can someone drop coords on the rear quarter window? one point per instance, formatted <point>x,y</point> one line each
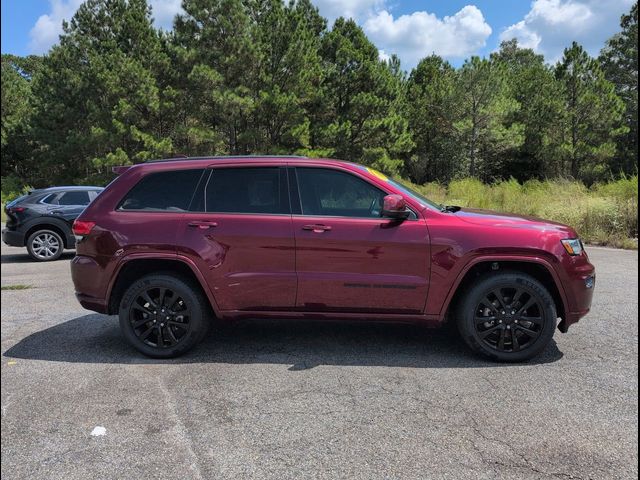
<point>169,191</point>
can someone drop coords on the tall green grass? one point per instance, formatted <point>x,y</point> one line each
<point>604,214</point>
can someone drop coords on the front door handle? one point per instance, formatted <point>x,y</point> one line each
<point>317,228</point>
<point>202,224</point>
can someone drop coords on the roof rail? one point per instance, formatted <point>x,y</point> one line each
<point>221,157</point>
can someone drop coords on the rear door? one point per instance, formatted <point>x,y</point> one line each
<point>348,258</point>
<point>239,233</point>
<point>68,205</point>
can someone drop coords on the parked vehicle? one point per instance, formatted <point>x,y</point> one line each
<point>42,220</point>
<point>169,244</point>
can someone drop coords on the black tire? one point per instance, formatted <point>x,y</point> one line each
<point>146,310</point>
<point>513,334</point>
<point>45,245</point>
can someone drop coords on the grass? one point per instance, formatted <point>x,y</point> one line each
<point>16,287</point>
<point>3,214</point>
<point>605,214</point>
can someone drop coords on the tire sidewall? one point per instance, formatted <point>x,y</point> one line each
<point>187,292</point>
<point>40,232</point>
<point>466,313</point>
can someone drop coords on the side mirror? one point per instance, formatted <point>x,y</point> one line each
<point>394,206</point>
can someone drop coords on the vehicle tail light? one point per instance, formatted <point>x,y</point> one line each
<point>16,209</point>
<point>82,228</point>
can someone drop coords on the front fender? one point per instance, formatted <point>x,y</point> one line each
<point>535,258</point>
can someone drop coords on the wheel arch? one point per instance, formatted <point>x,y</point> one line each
<point>133,268</point>
<point>48,223</point>
<point>538,268</point>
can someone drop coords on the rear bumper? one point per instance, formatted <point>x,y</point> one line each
<point>12,238</point>
<point>88,277</point>
<point>91,303</point>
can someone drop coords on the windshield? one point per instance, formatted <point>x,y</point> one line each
<point>415,195</point>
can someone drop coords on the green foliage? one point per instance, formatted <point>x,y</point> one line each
<point>267,76</point>
<point>619,59</point>
<point>606,213</point>
<point>592,115</point>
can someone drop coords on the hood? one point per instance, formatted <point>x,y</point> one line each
<point>498,219</point>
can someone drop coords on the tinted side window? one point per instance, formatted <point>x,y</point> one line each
<point>163,191</point>
<point>329,192</point>
<point>74,198</point>
<point>51,199</point>
<point>247,190</point>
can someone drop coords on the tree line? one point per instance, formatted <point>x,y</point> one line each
<point>268,77</point>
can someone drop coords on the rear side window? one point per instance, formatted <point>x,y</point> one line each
<point>74,198</point>
<point>247,190</point>
<point>163,191</point>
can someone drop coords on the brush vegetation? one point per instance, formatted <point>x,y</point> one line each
<point>604,214</point>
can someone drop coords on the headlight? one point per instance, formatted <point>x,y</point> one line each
<point>573,246</point>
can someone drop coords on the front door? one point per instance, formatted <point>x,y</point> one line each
<point>348,258</point>
<point>240,236</point>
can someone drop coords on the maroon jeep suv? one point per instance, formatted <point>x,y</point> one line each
<point>170,244</point>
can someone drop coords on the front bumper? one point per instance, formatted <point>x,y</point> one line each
<point>12,238</point>
<point>581,288</point>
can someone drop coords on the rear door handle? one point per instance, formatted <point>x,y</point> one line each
<point>317,228</point>
<point>202,224</point>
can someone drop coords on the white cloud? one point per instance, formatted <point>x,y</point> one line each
<point>356,9</point>
<point>48,27</point>
<point>420,34</point>
<point>44,34</point>
<point>551,25</point>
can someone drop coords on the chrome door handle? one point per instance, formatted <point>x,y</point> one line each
<point>317,228</point>
<point>202,224</point>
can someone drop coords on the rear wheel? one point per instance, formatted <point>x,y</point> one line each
<point>163,316</point>
<point>45,245</point>
<point>507,316</point>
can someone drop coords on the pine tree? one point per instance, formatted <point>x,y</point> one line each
<point>619,59</point>
<point>593,115</point>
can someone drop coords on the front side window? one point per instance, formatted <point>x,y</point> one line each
<point>247,190</point>
<point>163,191</point>
<point>327,192</point>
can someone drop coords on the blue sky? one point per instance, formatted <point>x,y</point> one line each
<point>410,28</point>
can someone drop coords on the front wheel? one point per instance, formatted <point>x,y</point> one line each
<point>507,316</point>
<point>163,316</point>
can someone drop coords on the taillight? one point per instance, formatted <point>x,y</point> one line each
<point>16,209</point>
<point>82,228</point>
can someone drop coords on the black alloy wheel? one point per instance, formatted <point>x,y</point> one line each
<point>507,316</point>
<point>164,315</point>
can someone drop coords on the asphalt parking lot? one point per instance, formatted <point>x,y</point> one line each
<point>312,400</point>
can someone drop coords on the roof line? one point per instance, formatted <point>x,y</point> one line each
<point>222,157</point>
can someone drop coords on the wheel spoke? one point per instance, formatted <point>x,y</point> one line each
<point>161,297</point>
<point>484,319</point>
<point>141,308</point>
<point>530,333</point>
<point>529,303</point>
<point>139,323</point>
<point>489,331</point>
<point>172,338</point>
<point>144,335</point>
<point>485,301</point>
<point>514,340</point>
<point>503,334</point>
<point>145,296</point>
<point>498,294</point>
<point>534,320</point>
<point>160,339</point>
<point>184,326</point>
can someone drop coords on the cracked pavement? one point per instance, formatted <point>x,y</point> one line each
<point>270,399</point>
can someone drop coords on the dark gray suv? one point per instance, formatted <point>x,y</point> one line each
<point>42,220</point>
